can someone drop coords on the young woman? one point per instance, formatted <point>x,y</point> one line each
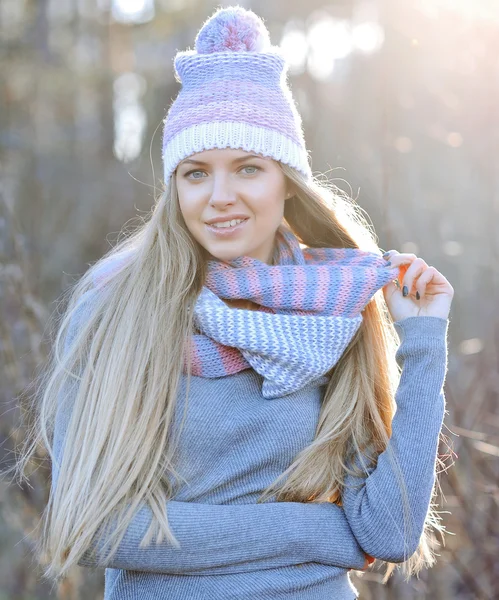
<point>220,407</point>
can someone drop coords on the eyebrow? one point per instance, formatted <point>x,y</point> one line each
<point>236,160</point>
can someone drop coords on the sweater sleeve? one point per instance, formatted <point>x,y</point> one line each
<point>234,538</point>
<point>218,539</point>
<point>375,508</point>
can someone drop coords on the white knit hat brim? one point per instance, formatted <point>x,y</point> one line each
<point>237,135</point>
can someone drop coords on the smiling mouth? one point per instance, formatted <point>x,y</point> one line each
<point>226,228</point>
<point>226,224</point>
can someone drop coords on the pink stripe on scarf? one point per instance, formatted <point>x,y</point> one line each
<point>232,285</point>
<point>232,360</point>
<point>196,364</point>
<point>277,287</point>
<point>346,290</point>
<point>254,286</point>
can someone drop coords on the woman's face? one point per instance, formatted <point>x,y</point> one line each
<point>219,186</point>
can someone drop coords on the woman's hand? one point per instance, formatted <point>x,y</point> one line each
<point>427,291</point>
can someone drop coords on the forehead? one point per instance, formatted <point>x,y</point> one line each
<point>222,156</point>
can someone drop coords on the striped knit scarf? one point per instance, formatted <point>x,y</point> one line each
<point>310,308</point>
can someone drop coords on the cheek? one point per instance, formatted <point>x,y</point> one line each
<point>270,203</point>
<point>267,193</point>
<point>189,203</point>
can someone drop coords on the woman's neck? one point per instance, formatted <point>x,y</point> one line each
<point>242,303</point>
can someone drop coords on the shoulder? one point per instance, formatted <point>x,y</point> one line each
<point>93,298</point>
<point>79,314</point>
<point>109,266</point>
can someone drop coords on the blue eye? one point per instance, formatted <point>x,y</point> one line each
<point>190,173</point>
<point>252,167</point>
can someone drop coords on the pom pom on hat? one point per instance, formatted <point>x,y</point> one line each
<point>233,29</point>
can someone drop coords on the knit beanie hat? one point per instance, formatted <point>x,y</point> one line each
<point>234,94</point>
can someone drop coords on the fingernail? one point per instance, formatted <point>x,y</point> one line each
<point>386,255</point>
<point>418,296</point>
<point>405,291</point>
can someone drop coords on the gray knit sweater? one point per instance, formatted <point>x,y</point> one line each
<point>234,444</point>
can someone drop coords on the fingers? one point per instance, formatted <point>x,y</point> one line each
<point>411,268</point>
<point>417,267</point>
<point>431,275</point>
<point>399,258</point>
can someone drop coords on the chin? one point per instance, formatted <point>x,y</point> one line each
<point>228,254</point>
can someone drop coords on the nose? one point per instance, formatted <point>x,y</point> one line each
<point>222,192</point>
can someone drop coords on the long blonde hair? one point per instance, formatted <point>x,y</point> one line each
<point>120,347</point>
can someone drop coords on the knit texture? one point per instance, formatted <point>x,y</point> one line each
<point>234,443</point>
<point>315,297</point>
<point>234,94</point>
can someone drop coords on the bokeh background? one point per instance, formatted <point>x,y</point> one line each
<point>400,106</point>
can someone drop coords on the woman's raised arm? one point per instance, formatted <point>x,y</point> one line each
<point>375,508</point>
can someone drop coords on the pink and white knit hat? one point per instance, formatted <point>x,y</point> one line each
<point>234,95</point>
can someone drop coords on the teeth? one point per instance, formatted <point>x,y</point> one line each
<point>228,223</point>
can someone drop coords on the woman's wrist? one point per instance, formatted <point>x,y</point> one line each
<point>434,327</point>
<point>325,536</point>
